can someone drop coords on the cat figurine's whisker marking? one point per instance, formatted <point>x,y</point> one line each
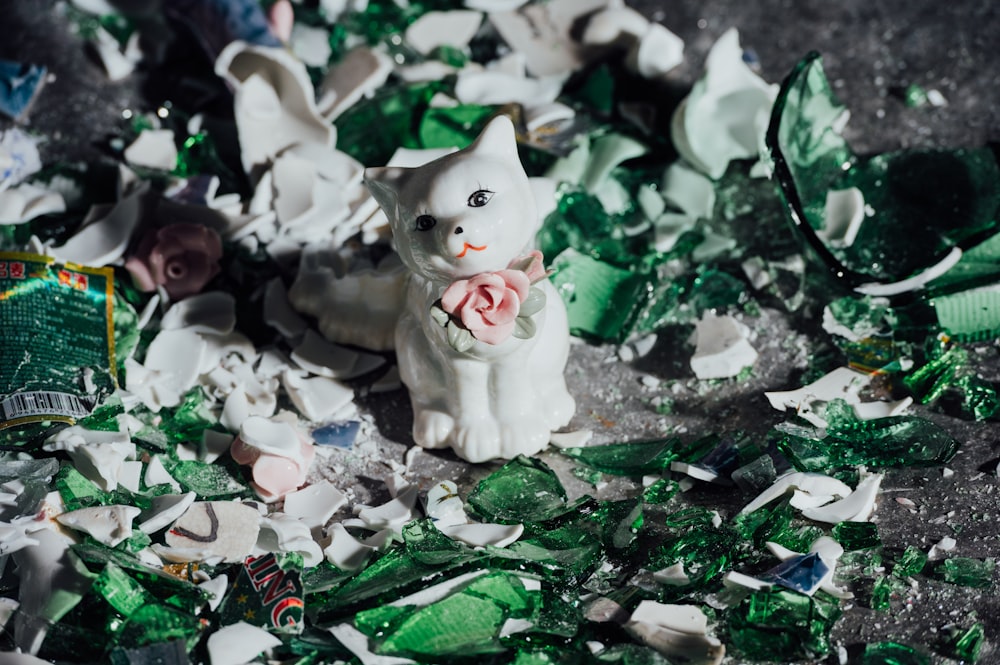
<point>483,340</point>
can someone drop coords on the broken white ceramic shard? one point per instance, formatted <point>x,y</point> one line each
<point>543,32</point>
<point>434,29</point>
<point>106,230</point>
<point>239,643</point>
<point>19,157</point>
<point>224,529</point>
<point>677,631</point>
<point>357,643</point>
<point>174,359</point>
<point>345,551</point>
<point>274,102</point>
<point>311,44</point>
<point>157,474</point>
<point>216,587</point>
<point>607,153</point>
<point>96,454</point>
<point>481,535</point>
<point>722,349</point>
<point>572,439</point>
<point>668,229</point>
<point>842,217</point>
<point>212,312</point>
<point>154,149</point>
<point>361,71</point>
<point>130,475</point>
<point>616,24</point>
<point>278,312</point>
<point>856,507</point>
<point>117,65</point>
<point>490,6</point>
<point>393,514</point>
<point>545,115</point>
<point>726,113</point>
<point>444,505</point>
<point>164,510</point>
<point>488,87</point>
<point>689,190</point>
<point>672,575</point>
<point>656,52</point>
<point>318,356</point>
<point>315,504</point>
<point>317,398</point>
<point>842,383</point>
<point>811,483</point>
<point>26,201</point>
<point>280,532</point>
<point>329,286</point>
<point>110,525</point>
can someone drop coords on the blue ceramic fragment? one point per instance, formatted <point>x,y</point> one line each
<point>338,435</point>
<point>802,573</point>
<point>19,85</point>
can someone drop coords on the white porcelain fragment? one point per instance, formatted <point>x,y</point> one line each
<point>723,349</point>
<point>174,360</point>
<point>856,507</point>
<point>672,575</point>
<point>98,455</point>
<point>217,588</point>
<point>543,33</point>
<point>224,529</point>
<point>157,474</point>
<point>434,29</point>
<point>165,509</point>
<point>318,356</point>
<point>689,190</point>
<point>842,216</point>
<point>24,202</point>
<point>345,551</point>
<point>274,102</point>
<point>316,504</point>
<point>153,148</point>
<point>811,483</point>
<point>480,535</point>
<point>357,643</point>
<point>110,525</point>
<point>392,514</point>
<point>677,631</point>
<point>212,312</point>
<point>317,398</point>
<point>239,643</point>
<point>361,71</point>
<point>444,505</point>
<point>572,439</point>
<point>489,87</point>
<point>494,5</point>
<point>726,113</point>
<point>280,532</point>
<point>657,52</point>
<point>842,383</point>
<point>311,44</point>
<point>278,311</point>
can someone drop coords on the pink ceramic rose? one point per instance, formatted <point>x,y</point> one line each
<point>487,304</point>
<point>181,258</point>
<point>274,474</point>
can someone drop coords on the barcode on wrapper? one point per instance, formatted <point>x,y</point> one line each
<point>42,403</point>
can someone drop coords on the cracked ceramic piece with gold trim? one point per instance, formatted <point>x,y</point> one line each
<point>481,350</point>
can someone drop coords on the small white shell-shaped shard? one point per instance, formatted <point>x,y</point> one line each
<point>239,643</point>
<point>110,525</point>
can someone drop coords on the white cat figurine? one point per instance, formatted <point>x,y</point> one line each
<point>480,349</point>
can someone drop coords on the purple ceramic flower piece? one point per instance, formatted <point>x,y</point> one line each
<point>181,258</point>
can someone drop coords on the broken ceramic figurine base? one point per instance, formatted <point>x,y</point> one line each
<point>483,339</point>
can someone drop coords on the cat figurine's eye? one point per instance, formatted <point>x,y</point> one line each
<point>479,198</point>
<point>425,223</point>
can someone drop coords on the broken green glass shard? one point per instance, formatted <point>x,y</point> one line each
<point>464,623</point>
<point>705,551</point>
<point>209,481</point>
<point>929,381</point>
<point>885,590</point>
<point>602,300</point>
<point>966,645</point>
<point>523,490</point>
<point>394,110</point>
<point>573,548</point>
<point>892,653</point>
<point>911,562</point>
<point>966,571</point>
<point>857,535</point>
<point>756,475</point>
<point>888,222</point>
<point>156,623</point>
<point>895,441</point>
<point>426,544</point>
<point>782,625</point>
<point>121,591</point>
<point>77,491</point>
<point>635,458</point>
<point>661,491</point>
<point>452,127</point>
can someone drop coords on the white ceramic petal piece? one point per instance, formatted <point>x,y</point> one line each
<point>813,483</point>
<point>856,507</point>
<point>393,514</point>
<point>280,532</point>
<point>481,535</point>
<point>315,504</point>
<point>361,71</point>
<point>317,398</point>
<point>433,29</point>
<point>153,148</point>
<point>165,509</point>
<point>212,312</point>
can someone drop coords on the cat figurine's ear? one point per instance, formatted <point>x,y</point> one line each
<point>497,138</point>
<point>384,182</point>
